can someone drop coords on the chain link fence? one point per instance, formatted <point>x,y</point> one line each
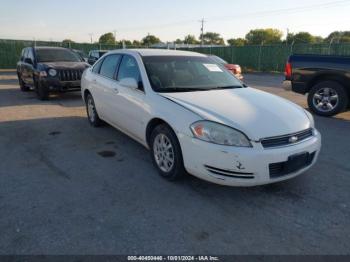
<point>265,58</point>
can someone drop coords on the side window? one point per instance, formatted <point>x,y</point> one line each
<point>109,66</point>
<point>97,67</point>
<point>30,54</point>
<point>129,69</point>
<point>25,54</point>
<point>22,54</point>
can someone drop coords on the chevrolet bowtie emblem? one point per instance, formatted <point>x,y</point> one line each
<point>293,139</point>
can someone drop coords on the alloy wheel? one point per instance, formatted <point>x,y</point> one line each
<point>163,153</point>
<point>326,99</point>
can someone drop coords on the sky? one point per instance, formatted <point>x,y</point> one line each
<point>133,19</point>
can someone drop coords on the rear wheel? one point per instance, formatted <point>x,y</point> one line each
<point>93,117</point>
<point>166,153</point>
<point>22,85</point>
<point>328,98</point>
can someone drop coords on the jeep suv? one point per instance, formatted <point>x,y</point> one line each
<point>49,69</point>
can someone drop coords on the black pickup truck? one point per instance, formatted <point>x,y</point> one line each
<point>49,69</point>
<point>326,79</point>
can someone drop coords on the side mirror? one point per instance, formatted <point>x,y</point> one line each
<point>129,82</point>
<point>28,61</point>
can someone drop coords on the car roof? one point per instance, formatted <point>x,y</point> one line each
<point>157,52</point>
<point>49,48</point>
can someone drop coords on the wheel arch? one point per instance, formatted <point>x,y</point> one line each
<point>86,92</point>
<point>340,79</point>
<point>152,124</point>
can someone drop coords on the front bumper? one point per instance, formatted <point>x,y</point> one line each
<point>53,84</point>
<point>255,161</point>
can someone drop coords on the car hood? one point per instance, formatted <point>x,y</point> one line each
<point>256,113</point>
<point>65,65</point>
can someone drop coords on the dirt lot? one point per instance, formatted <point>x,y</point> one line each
<point>59,194</point>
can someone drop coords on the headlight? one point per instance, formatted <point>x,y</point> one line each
<point>219,134</point>
<point>52,72</point>
<point>311,118</point>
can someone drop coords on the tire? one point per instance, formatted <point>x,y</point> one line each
<point>328,98</point>
<point>92,114</point>
<point>41,91</point>
<point>171,170</point>
<point>22,85</point>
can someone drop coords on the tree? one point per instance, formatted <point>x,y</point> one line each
<point>264,36</point>
<point>211,38</point>
<point>303,37</point>
<point>178,41</point>
<point>339,37</point>
<point>237,41</point>
<point>136,43</point>
<point>191,40</point>
<point>126,43</point>
<point>150,40</point>
<point>107,39</point>
<point>67,41</point>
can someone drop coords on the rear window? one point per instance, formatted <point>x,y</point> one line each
<point>56,55</point>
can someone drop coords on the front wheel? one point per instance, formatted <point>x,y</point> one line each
<point>41,91</point>
<point>166,153</point>
<point>328,98</point>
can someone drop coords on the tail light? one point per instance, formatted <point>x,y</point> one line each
<point>288,71</point>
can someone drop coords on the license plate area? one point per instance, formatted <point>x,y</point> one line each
<point>294,164</point>
<point>297,162</point>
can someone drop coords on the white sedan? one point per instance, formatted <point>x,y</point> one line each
<point>197,118</point>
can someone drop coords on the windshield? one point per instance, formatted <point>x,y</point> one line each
<point>56,55</point>
<point>218,60</point>
<point>187,73</point>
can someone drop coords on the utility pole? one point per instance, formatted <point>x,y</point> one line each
<point>287,36</point>
<point>91,34</point>
<point>115,37</point>
<point>202,30</point>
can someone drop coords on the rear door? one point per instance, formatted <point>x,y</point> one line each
<point>30,67</point>
<point>24,69</point>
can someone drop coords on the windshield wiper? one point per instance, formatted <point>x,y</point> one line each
<point>179,89</point>
<point>224,87</point>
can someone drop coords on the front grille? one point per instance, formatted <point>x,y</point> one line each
<point>287,139</point>
<point>70,75</point>
<point>229,173</point>
<point>286,168</point>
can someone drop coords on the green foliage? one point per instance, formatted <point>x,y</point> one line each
<point>339,37</point>
<point>212,38</point>
<point>107,39</point>
<point>150,40</point>
<point>191,40</point>
<point>303,38</point>
<point>264,36</point>
<point>67,41</point>
<point>237,42</point>
<point>136,43</point>
<point>126,43</point>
